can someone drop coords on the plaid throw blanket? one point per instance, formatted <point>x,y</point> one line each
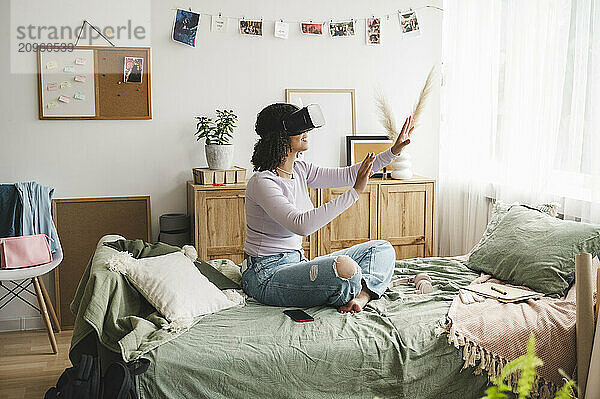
<point>491,334</point>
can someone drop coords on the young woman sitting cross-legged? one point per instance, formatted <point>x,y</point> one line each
<point>279,212</point>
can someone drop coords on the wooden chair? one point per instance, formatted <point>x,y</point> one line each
<point>22,279</point>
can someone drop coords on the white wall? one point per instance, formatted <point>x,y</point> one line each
<point>111,158</point>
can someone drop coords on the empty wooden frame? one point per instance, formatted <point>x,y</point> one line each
<point>328,143</point>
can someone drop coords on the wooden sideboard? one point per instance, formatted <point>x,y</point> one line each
<point>399,211</point>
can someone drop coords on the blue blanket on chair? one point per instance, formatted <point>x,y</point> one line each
<point>26,209</point>
<point>8,210</point>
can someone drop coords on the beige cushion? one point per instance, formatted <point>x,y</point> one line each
<point>173,285</point>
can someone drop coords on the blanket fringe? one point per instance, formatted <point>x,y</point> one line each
<point>483,360</point>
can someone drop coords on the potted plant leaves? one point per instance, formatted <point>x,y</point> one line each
<point>217,135</point>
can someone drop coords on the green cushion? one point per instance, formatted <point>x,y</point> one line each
<point>140,249</point>
<point>501,208</point>
<point>528,247</point>
<point>215,276</point>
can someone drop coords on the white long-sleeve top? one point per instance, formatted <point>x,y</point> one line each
<point>279,211</point>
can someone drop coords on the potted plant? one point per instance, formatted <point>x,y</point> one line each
<point>217,135</point>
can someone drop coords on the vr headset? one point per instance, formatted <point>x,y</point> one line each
<point>303,120</point>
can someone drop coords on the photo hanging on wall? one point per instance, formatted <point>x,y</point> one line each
<point>133,68</point>
<point>218,23</point>
<point>185,27</point>
<point>251,28</point>
<point>373,31</point>
<point>409,23</point>
<point>282,29</point>
<point>311,28</point>
<point>341,28</point>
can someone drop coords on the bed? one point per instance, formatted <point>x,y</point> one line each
<point>398,347</point>
<point>393,349</point>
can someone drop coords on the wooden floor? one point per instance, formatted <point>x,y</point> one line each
<point>27,366</point>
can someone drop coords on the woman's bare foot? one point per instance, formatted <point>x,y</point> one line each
<point>357,304</point>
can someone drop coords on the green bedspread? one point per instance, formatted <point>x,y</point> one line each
<point>389,350</point>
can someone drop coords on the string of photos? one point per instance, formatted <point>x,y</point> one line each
<point>185,26</point>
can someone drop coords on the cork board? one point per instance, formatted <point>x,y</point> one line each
<point>81,222</point>
<point>122,100</point>
<point>105,93</point>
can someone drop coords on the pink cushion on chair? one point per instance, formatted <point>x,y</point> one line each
<point>24,251</point>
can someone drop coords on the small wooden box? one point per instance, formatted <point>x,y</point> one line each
<point>213,176</point>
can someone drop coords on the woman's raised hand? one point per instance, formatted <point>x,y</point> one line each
<point>404,138</point>
<point>364,172</point>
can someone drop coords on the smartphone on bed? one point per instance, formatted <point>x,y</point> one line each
<point>298,315</point>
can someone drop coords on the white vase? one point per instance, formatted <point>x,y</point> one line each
<point>219,156</point>
<point>402,166</point>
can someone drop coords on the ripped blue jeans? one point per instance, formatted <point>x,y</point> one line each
<point>289,279</point>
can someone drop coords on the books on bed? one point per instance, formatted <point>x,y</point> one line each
<point>503,293</point>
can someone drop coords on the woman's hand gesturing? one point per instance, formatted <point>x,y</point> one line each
<point>404,138</point>
<point>364,172</point>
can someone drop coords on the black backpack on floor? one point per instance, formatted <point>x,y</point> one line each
<point>119,379</point>
<point>84,381</point>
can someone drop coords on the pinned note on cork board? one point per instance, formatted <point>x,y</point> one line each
<point>94,82</point>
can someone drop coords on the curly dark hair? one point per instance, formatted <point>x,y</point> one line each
<point>274,143</point>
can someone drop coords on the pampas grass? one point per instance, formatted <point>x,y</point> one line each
<point>386,117</point>
<point>423,99</point>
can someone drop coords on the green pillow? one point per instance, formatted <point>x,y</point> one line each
<point>528,247</point>
<point>215,276</point>
<point>501,208</point>
<point>140,249</point>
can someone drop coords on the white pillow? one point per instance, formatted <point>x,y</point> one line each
<point>173,285</point>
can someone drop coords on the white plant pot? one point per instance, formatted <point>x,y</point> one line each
<point>219,156</point>
<point>402,167</point>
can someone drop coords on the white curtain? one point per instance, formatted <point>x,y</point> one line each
<point>520,111</point>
